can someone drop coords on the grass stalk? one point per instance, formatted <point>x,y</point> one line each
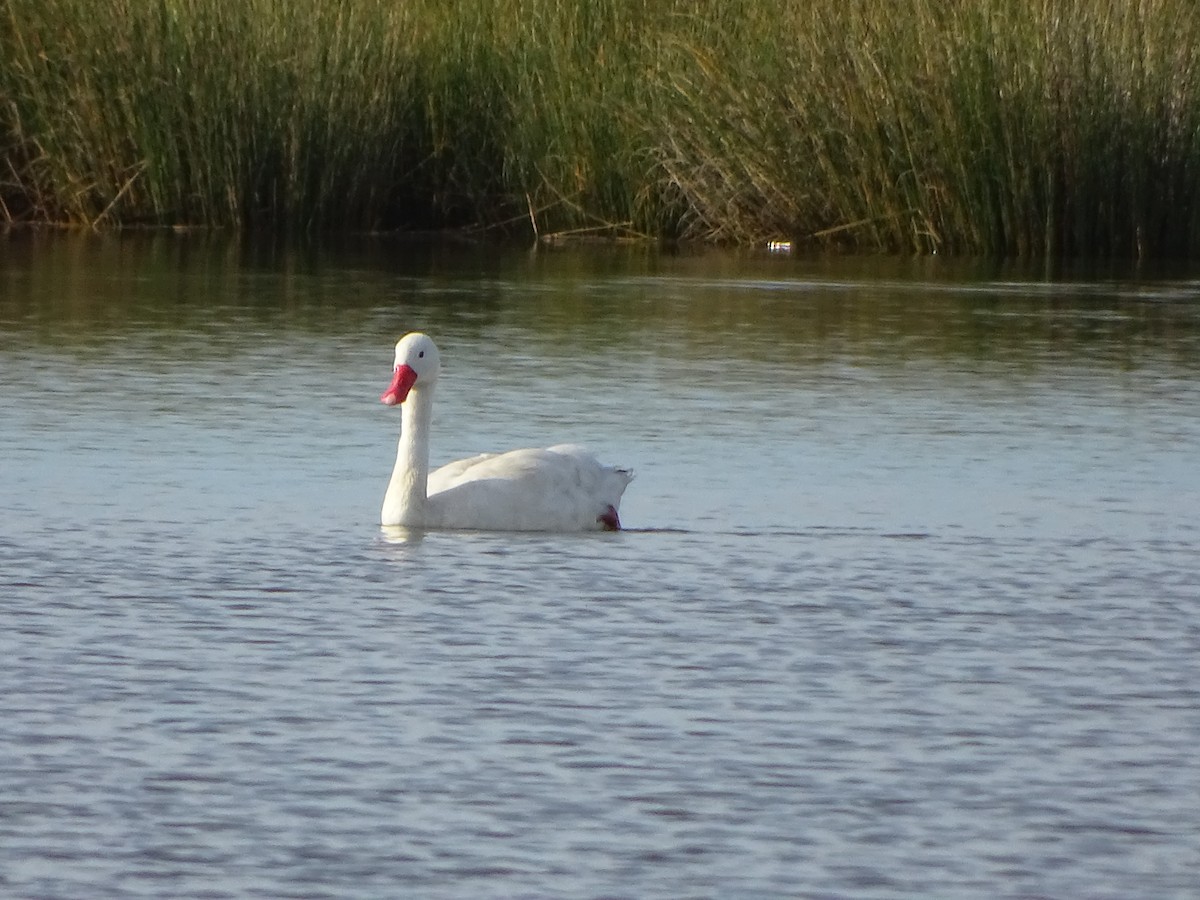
<point>1000,126</point>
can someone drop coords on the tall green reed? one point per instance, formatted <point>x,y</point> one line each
<point>999,126</point>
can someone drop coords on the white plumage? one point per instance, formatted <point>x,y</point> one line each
<point>562,488</point>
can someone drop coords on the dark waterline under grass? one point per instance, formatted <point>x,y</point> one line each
<point>1057,128</point>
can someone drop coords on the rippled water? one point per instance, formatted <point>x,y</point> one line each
<point>908,606</point>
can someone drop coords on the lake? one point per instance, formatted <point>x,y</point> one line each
<point>907,604</point>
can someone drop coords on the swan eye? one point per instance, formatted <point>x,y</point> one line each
<point>421,355</point>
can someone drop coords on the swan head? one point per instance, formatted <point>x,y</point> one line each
<point>417,362</point>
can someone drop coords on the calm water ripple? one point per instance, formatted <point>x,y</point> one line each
<point>899,614</point>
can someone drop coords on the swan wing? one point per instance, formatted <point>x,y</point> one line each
<point>452,473</point>
<point>560,489</point>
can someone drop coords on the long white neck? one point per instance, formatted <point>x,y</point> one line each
<point>405,500</point>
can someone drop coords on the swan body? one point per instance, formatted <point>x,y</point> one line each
<point>561,488</point>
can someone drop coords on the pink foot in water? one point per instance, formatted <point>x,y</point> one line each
<point>609,519</point>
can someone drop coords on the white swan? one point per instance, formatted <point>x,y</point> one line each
<point>562,488</point>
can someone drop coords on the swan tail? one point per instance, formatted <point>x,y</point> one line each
<point>609,519</point>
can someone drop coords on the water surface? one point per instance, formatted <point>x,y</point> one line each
<point>908,606</point>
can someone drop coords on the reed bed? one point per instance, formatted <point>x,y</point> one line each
<point>1050,127</point>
